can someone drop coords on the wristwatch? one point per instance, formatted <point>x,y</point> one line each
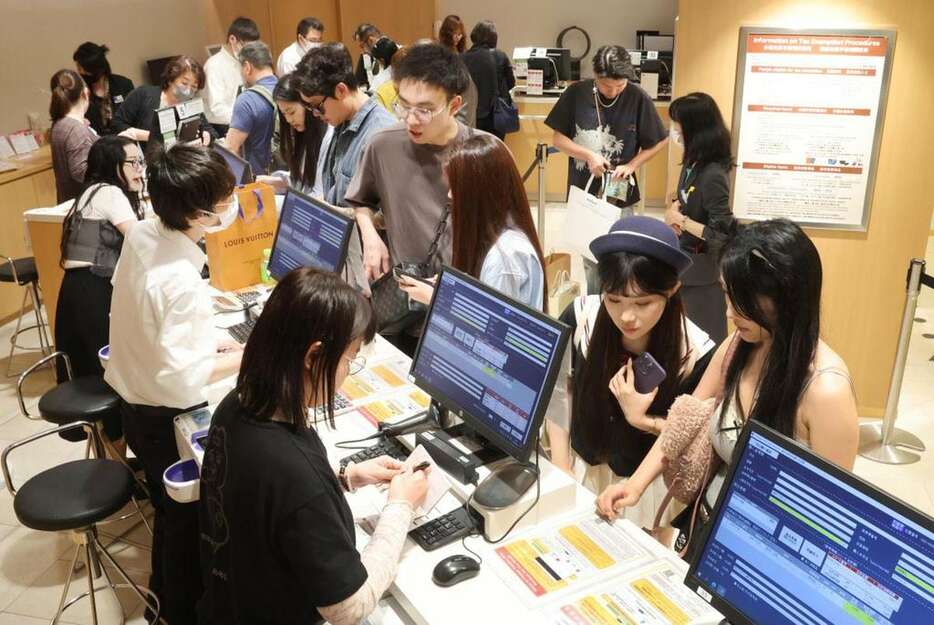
<point>344,478</point>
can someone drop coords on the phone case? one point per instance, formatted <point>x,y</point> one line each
<point>648,373</point>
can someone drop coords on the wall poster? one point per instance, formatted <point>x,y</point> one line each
<point>807,123</point>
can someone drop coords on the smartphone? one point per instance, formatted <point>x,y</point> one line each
<point>648,373</point>
<point>398,271</point>
<point>189,130</point>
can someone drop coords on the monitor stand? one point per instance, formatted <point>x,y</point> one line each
<point>505,485</point>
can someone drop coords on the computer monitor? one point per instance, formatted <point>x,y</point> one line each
<point>156,67</point>
<point>796,540</point>
<point>489,360</point>
<point>241,168</point>
<point>555,63</point>
<point>311,233</point>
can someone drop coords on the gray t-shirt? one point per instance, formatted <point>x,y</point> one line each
<point>405,180</point>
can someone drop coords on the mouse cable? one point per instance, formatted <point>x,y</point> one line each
<point>347,444</point>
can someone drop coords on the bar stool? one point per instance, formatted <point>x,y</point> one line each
<point>87,399</point>
<point>22,271</point>
<point>74,497</point>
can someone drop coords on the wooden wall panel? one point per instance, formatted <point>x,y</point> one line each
<point>287,13</point>
<point>404,21</point>
<point>864,273</point>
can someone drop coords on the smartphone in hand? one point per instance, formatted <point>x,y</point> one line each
<point>648,373</point>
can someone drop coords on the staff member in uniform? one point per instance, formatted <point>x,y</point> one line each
<point>277,535</point>
<point>700,214</point>
<point>108,90</point>
<point>164,349</point>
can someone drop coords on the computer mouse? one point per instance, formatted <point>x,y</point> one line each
<point>455,569</point>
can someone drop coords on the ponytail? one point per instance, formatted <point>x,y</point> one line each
<point>66,86</point>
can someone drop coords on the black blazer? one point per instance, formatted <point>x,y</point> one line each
<point>704,193</point>
<point>482,67</point>
<point>505,77</point>
<point>139,111</point>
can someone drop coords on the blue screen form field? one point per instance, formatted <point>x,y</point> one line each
<point>488,356</point>
<point>792,543</point>
<point>310,234</point>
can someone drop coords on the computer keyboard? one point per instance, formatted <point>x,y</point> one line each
<point>247,297</point>
<point>443,530</point>
<point>387,447</point>
<point>241,332</point>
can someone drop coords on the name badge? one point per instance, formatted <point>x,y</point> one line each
<point>118,99</point>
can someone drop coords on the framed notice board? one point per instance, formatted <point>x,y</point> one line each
<point>807,123</point>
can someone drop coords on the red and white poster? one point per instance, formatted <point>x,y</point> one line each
<point>807,120</point>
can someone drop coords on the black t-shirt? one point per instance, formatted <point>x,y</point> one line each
<point>277,535</point>
<point>630,124</point>
<point>120,88</point>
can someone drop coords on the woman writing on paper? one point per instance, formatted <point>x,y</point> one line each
<point>493,235</point>
<point>775,368</point>
<point>602,434</point>
<point>700,214</point>
<point>277,541</point>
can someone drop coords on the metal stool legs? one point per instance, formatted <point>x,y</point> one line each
<point>45,345</point>
<point>93,553</point>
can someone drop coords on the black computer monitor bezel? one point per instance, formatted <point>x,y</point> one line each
<point>247,176</point>
<point>345,238</point>
<point>521,454</point>
<point>691,580</point>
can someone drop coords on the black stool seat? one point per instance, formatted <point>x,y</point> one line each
<point>87,398</point>
<point>73,495</point>
<point>25,270</point>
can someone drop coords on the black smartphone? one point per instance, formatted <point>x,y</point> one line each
<point>648,373</point>
<point>399,270</point>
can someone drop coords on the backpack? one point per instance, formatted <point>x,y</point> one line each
<point>276,162</point>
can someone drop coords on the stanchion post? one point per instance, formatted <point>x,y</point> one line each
<point>541,156</point>
<point>882,441</point>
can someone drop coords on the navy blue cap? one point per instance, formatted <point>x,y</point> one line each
<point>646,236</point>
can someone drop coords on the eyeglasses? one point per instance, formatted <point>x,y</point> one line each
<point>316,109</point>
<point>137,163</point>
<point>357,364</point>
<point>422,115</point>
<point>218,209</point>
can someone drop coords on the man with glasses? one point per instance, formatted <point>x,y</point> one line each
<point>401,170</point>
<point>329,89</point>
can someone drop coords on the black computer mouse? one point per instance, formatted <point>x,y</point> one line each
<point>455,569</point>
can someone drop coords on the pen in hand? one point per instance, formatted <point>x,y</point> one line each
<point>421,466</point>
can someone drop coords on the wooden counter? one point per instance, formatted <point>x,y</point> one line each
<point>45,233</point>
<point>30,186</point>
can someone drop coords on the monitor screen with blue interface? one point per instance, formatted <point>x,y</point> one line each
<point>795,539</point>
<point>310,234</point>
<point>241,169</point>
<point>490,359</point>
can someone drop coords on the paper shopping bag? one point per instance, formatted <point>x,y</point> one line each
<point>561,293</point>
<point>586,218</point>
<point>235,254</point>
<point>555,263</point>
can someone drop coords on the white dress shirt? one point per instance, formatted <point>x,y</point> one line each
<point>162,339</point>
<point>223,79</point>
<point>289,58</point>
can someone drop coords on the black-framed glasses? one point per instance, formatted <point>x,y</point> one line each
<point>137,162</point>
<point>316,109</point>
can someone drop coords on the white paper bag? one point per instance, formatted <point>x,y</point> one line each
<point>587,217</point>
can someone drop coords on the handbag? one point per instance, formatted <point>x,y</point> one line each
<point>390,303</point>
<point>689,458</point>
<point>505,116</point>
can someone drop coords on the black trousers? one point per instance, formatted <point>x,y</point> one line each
<point>176,570</point>
<point>82,320</point>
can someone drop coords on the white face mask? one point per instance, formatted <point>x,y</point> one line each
<point>227,217</point>
<point>675,136</point>
<point>182,93</point>
<point>306,45</point>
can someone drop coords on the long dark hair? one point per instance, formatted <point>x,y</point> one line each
<point>706,138</point>
<point>487,198</point>
<point>105,167</point>
<point>298,149</point>
<point>775,261</point>
<point>594,407</point>
<point>307,306</point>
<point>92,59</point>
<point>66,86</point>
